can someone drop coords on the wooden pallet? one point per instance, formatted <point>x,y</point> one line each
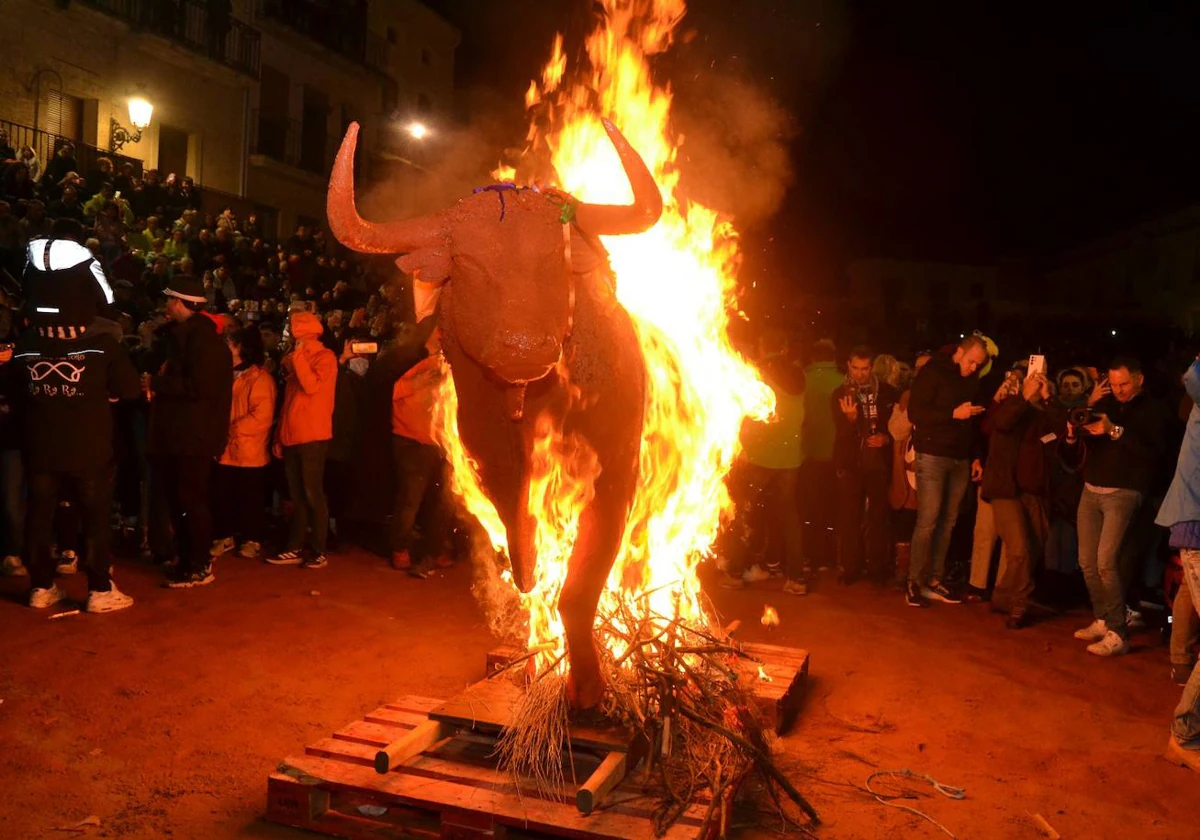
<point>452,790</point>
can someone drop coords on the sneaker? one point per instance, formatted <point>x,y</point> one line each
<point>318,561</point>
<point>1094,632</point>
<point>756,574</point>
<point>1110,645</point>
<point>1180,674</point>
<point>250,549</point>
<point>401,561</point>
<point>1176,753</point>
<point>795,587</point>
<point>913,596</point>
<point>110,601</point>
<point>13,567</point>
<point>729,581</point>
<point>938,591</point>
<point>288,558</point>
<point>775,570</point>
<point>1134,619</point>
<point>221,546</point>
<point>68,563</point>
<point>187,580</point>
<point>40,598</point>
<point>976,595</point>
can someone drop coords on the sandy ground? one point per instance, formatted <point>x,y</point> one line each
<point>164,720</point>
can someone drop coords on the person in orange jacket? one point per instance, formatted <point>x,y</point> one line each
<point>240,477</point>
<point>302,438</point>
<point>418,467</point>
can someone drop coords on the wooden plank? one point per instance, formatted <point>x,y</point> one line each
<point>414,703</point>
<point>396,717</point>
<point>410,744</point>
<point>351,751</point>
<point>779,698</point>
<point>553,818</point>
<point>366,732</point>
<point>608,775</point>
<point>487,707</point>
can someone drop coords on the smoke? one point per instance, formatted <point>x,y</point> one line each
<point>735,155</point>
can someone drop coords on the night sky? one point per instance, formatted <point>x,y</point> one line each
<point>946,131</point>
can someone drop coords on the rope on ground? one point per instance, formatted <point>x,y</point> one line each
<point>949,791</point>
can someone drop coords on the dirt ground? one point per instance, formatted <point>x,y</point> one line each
<point>164,720</point>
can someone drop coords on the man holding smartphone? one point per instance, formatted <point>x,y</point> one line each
<point>941,411</point>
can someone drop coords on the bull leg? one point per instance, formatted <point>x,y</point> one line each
<point>601,526</point>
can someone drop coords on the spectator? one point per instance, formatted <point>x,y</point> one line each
<point>36,224</point>
<point>1180,512</point>
<point>7,152</point>
<point>817,474</point>
<point>861,408</point>
<point>189,426</point>
<point>67,207</point>
<point>1122,451</point>
<point>29,157</point>
<point>240,479</point>
<point>941,412</point>
<point>62,164</point>
<point>302,439</point>
<point>66,375</point>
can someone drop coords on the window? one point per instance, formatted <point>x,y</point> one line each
<point>62,114</point>
<point>172,150</point>
<point>391,96</point>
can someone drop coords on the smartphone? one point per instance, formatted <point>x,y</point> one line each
<point>364,348</point>
<point>1037,364</point>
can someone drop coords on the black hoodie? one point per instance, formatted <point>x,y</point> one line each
<point>189,414</point>
<point>64,389</point>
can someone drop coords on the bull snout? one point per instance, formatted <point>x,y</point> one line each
<point>524,357</point>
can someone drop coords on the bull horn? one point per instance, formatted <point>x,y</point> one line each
<point>616,219</point>
<point>355,232</point>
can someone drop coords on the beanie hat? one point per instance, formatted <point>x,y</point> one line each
<point>186,288</point>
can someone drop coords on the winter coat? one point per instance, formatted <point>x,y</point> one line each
<point>1182,502</point>
<point>311,387</point>
<point>413,399</point>
<point>189,412</point>
<point>1132,461</point>
<point>850,450</point>
<point>1022,449</point>
<point>251,416</point>
<point>939,389</point>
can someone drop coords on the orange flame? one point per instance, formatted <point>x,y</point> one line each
<point>677,280</point>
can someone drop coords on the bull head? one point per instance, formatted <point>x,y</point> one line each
<point>507,255</point>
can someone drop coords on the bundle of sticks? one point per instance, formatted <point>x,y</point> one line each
<point>678,683</point>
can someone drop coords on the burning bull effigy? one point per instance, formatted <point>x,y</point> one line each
<point>592,410</point>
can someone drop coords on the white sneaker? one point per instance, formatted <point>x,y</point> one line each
<point>40,598</point>
<point>1110,645</point>
<point>110,601</point>
<point>288,558</point>
<point>13,567</point>
<point>756,574</point>
<point>1094,632</point>
<point>221,546</point>
<point>249,549</point>
<point>1134,619</point>
<point>68,563</point>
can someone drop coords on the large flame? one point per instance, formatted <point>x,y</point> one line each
<point>677,280</point>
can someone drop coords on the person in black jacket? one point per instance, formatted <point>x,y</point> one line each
<point>1121,451</point>
<point>862,457</point>
<point>64,376</point>
<point>941,412</point>
<point>189,425</point>
<point>1023,438</point>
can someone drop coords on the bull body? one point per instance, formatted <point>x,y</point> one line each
<point>532,331</point>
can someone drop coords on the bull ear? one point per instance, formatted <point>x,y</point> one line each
<point>616,219</point>
<point>352,230</point>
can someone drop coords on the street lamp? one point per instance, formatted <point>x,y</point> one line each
<point>418,130</point>
<point>140,112</point>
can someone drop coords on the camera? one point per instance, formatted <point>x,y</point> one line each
<point>1081,416</point>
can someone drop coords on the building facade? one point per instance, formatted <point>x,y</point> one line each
<point>250,97</point>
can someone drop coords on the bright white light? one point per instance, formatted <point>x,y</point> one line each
<point>418,130</point>
<point>1114,332</point>
<point>140,112</point>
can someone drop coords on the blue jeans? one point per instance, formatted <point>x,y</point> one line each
<point>941,484</point>
<point>1186,726</point>
<point>1103,522</point>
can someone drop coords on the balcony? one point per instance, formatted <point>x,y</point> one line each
<point>225,40</point>
<point>341,30</point>
<point>285,140</point>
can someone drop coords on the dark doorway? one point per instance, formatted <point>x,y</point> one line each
<point>172,150</point>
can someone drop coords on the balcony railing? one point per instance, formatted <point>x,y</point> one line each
<point>285,140</point>
<point>187,22</point>
<point>338,29</point>
<point>45,144</point>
